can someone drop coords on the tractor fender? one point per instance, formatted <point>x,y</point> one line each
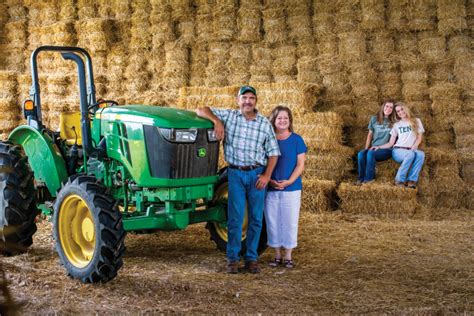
<point>44,156</point>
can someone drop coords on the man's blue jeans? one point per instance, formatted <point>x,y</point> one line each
<point>366,162</point>
<point>242,189</point>
<point>411,163</point>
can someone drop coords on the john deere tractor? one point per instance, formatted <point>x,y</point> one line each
<point>108,170</point>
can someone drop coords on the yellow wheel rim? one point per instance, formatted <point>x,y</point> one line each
<point>222,193</point>
<point>76,231</point>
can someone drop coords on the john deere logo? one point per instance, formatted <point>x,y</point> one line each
<point>202,152</point>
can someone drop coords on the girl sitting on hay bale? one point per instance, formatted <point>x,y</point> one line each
<point>283,200</point>
<point>378,135</point>
<point>408,134</point>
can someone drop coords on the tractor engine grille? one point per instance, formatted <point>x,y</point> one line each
<point>180,160</point>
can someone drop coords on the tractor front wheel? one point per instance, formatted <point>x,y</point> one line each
<point>17,200</point>
<point>218,231</point>
<point>88,230</point>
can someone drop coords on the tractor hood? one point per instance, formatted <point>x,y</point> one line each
<point>154,115</point>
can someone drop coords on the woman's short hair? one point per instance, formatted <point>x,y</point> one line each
<point>276,111</point>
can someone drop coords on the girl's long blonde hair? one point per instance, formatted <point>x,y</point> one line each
<point>410,118</point>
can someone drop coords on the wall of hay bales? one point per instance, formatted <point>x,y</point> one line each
<point>358,52</point>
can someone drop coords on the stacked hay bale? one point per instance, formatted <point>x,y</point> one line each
<point>217,70</point>
<point>284,63</point>
<point>137,74</point>
<point>382,200</point>
<point>176,70</point>
<point>461,53</point>
<point>239,63</point>
<point>274,22</point>
<point>183,17</point>
<point>249,22</point>
<point>446,186</point>
<point>9,109</point>
<point>464,135</point>
<point>260,69</point>
<point>198,63</point>
<point>451,16</point>
<point>15,36</point>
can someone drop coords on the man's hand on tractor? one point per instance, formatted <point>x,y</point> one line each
<point>219,130</point>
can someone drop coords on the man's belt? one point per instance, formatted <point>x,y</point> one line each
<point>245,168</point>
<point>401,147</point>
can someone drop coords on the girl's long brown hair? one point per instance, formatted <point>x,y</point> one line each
<point>411,120</point>
<point>380,114</point>
<point>275,113</point>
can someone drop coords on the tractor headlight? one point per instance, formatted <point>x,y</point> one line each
<point>179,135</point>
<point>211,135</point>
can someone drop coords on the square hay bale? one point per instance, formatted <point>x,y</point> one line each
<point>379,200</point>
<point>224,20</point>
<point>274,23</point>
<point>373,15</point>
<point>249,23</point>
<point>452,16</point>
<point>329,165</point>
<point>317,195</point>
<point>352,46</point>
<point>441,72</point>
<point>421,15</point>
<point>459,45</point>
<point>432,46</point>
<point>95,34</point>
<point>381,44</point>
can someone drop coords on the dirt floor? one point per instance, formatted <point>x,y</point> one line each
<point>344,265</point>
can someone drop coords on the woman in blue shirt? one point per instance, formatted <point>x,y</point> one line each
<point>283,200</point>
<point>378,135</point>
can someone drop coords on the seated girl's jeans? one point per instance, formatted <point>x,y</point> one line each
<point>411,163</point>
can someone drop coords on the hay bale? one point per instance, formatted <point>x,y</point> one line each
<point>317,195</point>
<point>16,12</point>
<point>373,15</point>
<point>204,24</point>
<point>333,164</point>
<point>463,70</point>
<point>441,72</point>
<point>459,45</point>
<point>323,24</point>
<point>217,70</point>
<point>162,27</point>
<point>381,45</point>
<point>396,15</point>
<point>60,33</point>
<point>224,20</point>
<point>198,63</point>
<point>308,70</point>
<point>284,62</point>
<point>238,63</point>
<point>67,10</point>
<point>8,121</point>
<point>274,23</point>
<point>260,69</point>
<point>348,13</point>
<point>414,76</point>
<point>445,91</point>
<point>87,9</point>
<point>176,71</point>
<point>249,22</point>
<point>390,84</point>
<point>352,46</point>
<point>451,16</point>
<point>16,34</point>
<point>432,46</point>
<point>95,34</point>
<point>416,91</point>
<point>376,199</point>
<point>299,21</point>
<point>421,15</point>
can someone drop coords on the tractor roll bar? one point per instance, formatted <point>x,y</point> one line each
<point>87,98</point>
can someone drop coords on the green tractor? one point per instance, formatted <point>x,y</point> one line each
<point>110,169</point>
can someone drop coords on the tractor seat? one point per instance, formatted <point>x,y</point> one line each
<point>70,127</point>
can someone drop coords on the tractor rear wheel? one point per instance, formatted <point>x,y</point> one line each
<point>218,231</point>
<point>88,230</point>
<point>17,200</point>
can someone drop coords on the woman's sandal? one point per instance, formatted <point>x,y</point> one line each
<point>290,264</point>
<point>275,262</point>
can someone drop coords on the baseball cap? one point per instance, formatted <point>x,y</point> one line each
<point>245,89</point>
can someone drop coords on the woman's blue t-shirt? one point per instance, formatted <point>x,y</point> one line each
<point>290,148</point>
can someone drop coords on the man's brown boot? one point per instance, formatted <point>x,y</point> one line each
<point>233,267</point>
<point>252,267</point>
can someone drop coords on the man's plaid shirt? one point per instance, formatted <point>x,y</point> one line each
<point>247,143</point>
